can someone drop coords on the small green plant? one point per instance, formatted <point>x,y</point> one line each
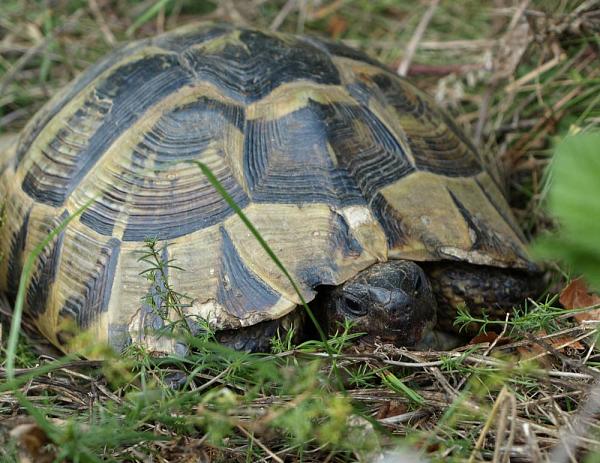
<point>162,299</point>
<point>399,386</point>
<point>336,342</point>
<point>283,342</point>
<point>362,375</point>
<point>531,317</point>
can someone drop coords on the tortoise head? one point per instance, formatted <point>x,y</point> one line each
<point>392,300</point>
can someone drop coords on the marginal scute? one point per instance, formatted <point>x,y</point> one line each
<point>8,148</point>
<point>496,243</point>
<point>367,230</point>
<point>489,187</point>
<point>17,249</point>
<point>240,291</point>
<point>46,268</point>
<point>16,208</point>
<point>456,222</point>
<point>392,223</point>
<point>82,287</point>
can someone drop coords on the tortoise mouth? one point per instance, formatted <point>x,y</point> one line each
<point>406,335</point>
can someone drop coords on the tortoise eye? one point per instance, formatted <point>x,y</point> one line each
<point>354,307</point>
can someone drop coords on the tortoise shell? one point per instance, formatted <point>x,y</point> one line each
<point>338,162</point>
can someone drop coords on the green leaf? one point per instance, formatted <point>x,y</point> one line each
<point>574,199</point>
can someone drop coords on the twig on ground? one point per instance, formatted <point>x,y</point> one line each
<point>416,38</point>
<point>34,51</point>
<point>106,32</point>
<point>488,424</point>
<point>253,438</point>
<point>289,6</point>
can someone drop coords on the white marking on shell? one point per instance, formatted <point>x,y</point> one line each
<point>472,235</point>
<point>208,310</point>
<point>357,216</point>
<point>367,230</point>
<point>474,257</point>
<point>218,318</point>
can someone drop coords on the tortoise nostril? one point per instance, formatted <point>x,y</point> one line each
<point>400,303</point>
<point>402,308</point>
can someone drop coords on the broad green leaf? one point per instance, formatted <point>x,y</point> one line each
<point>574,199</point>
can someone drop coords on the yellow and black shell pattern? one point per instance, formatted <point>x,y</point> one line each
<point>338,163</point>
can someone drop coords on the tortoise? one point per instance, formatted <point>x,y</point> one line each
<point>380,208</point>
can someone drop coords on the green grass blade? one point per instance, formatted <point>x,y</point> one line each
<point>395,384</point>
<point>37,414</point>
<point>147,16</point>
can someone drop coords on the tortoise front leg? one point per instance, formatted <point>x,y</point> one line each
<point>257,338</point>
<point>481,289</point>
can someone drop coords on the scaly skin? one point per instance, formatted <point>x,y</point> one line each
<point>257,338</point>
<point>482,289</point>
